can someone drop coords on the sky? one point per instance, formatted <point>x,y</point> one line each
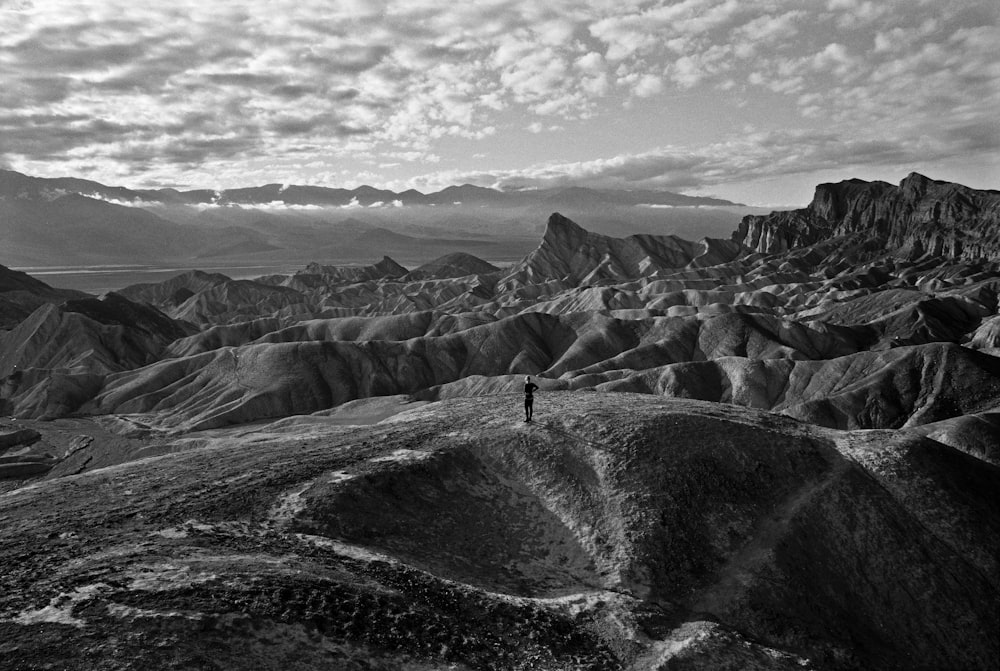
<point>754,101</point>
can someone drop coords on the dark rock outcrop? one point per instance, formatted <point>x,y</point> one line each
<point>21,294</point>
<point>919,217</point>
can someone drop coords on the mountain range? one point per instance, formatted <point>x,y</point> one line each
<point>772,450</point>
<point>74,222</point>
<point>17,186</point>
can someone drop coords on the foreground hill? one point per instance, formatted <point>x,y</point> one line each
<point>619,531</point>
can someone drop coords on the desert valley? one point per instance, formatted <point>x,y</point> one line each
<point>778,448</point>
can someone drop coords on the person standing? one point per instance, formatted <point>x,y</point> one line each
<point>529,398</point>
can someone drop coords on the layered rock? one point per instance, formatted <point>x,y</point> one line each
<point>919,217</point>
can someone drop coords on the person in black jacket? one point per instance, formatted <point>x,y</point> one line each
<point>529,399</point>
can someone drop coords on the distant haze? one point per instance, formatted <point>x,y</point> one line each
<point>93,237</point>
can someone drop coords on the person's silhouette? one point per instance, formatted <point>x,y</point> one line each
<point>529,399</point>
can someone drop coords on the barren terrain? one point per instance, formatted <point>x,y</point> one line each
<point>616,531</point>
<point>773,451</point>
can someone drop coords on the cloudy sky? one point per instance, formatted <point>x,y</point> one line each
<point>755,101</point>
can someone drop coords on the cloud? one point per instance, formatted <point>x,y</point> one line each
<point>755,156</point>
<point>191,90</point>
<point>648,85</point>
<point>770,28</point>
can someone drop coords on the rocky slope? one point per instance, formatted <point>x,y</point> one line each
<point>318,290</point>
<point>458,264</point>
<point>919,217</point>
<point>21,294</point>
<point>617,532</point>
<point>56,359</point>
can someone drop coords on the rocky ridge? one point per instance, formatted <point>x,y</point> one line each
<point>575,257</point>
<point>920,217</point>
<point>21,294</point>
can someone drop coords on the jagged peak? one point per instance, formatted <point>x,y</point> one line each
<point>560,226</point>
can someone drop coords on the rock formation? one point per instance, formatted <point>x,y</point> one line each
<point>919,217</point>
<point>573,256</point>
<point>57,357</point>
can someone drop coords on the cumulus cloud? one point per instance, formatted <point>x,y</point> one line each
<point>188,90</point>
<point>648,85</point>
